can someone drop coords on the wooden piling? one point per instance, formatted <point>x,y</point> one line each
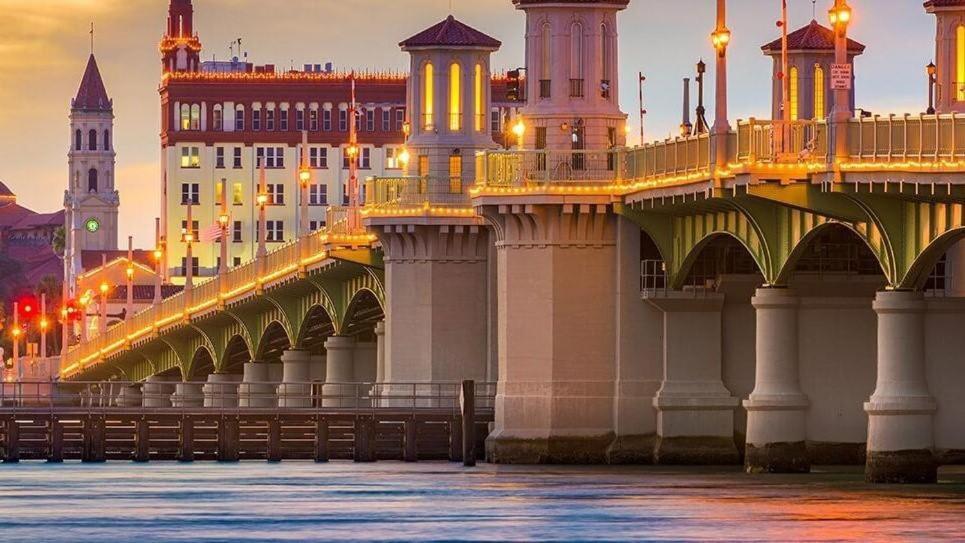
<point>411,453</point>
<point>11,449</point>
<point>186,444</point>
<point>56,441</point>
<point>455,438</point>
<point>228,439</point>
<point>364,439</point>
<point>274,440</point>
<point>142,440</point>
<point>94,440</point>
<point>468,423</point>
<point>321,440</point>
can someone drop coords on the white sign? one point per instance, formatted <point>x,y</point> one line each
<point>841,77</point>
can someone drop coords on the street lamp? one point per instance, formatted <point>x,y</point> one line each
<point>404,158</point>
<point>931,71</point>
<point>519,128</point>
<point>104,290</point>
<point>840,15</point>
<point>262,200</point>
<point>721,38</point>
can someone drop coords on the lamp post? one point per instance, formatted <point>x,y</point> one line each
<point>840,15</point>
<point>262,200</point>
<point>187,236</point>
<point>721,39</point>
<point>519,128</point>
<point>224,218</point>
<point>44,325</point>
<point>16,337</point>
<point>353,165</point>
<point>641,79</point>
<point>158,256</point>
<point>102,314</point>
<point>129,308</point>
<point>930,70</point>
<point>305,181</point>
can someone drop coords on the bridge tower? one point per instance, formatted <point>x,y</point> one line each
<point>572,75</point>
<point>180,47</point>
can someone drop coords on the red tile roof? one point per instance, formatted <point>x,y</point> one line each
<point>452,33</point>
<point>36,261</point>
<point>142,292</point>
<point>91,259</point>
<point>40,219</point>
<point>944,3</point>
<point>11,214</point>
<point>92,95</point>
<point>812,37</point>
<point>535,2</point>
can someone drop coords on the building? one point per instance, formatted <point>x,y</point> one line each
<point>223,121</point>
<point>91,201</point>
<point>27,238</point>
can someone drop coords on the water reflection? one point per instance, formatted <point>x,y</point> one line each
<point>439,501</point>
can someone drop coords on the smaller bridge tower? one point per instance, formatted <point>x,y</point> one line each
<point>180,46</point>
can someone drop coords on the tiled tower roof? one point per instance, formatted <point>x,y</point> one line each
<point>536,2</point>
<point>92,95</point>
<point>945,3</point>
<point>812,37</point>
<point>453,33</point>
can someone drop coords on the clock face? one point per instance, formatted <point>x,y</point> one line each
<point>92,225</point>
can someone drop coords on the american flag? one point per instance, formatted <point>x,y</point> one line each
<point>211,233</point>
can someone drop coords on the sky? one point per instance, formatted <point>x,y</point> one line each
<point>44,45</point>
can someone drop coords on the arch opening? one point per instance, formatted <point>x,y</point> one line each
<point>235,356</point>
<point>316,329</point>
<point>832,249</point>
<point>202,365</point>
<point>715,256</point>
<point>274,341</point>
<point>362,315</point>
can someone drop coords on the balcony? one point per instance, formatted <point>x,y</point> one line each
<point>412,195</point>
<point>533,168</point>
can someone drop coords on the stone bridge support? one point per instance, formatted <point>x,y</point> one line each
<point>556,330</point>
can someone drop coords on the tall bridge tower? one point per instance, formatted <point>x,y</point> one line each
<point>572,75</point>
<point>180,47</point>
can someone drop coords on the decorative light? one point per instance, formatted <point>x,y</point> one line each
<point>223,220</point>
<point>352,150</point>
<point>262,199</point>
<point>404,157</point>
<point>519,128</point>
<point>44,323</point>
<point>104,288</point>
<point>840,15</point>
<point>720,38</point>
<point>130,272</point>
<point>406,128</point>
<point>16,331</point>
<point>158,253</point>
<point>304,175</point>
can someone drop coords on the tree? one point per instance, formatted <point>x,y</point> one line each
<point>59,241</point>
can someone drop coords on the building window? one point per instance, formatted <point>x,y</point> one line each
<point>283,120</point>
<point>366,158</point>
<point>190,157</point>
<point>300,120</point>
<point>318,194</point>
<point>190,193</point>
<point>185,113</point>
<point>195,117</point>
<point>194,229</point>
<point>370,120</point>
<point>818,92</point>
<point>960,62</point>
<point>107,140</point>
<point>270,157</point>
<point>386,119</point>
<point>256,119</point>
<point>326,120</point>
<point>218,118</point>
<point>276,194</point>
<point>269,119</point>
<point>236,261</point>
<point>540,137</point>
<point>428,94</point>
<point>219,157</point>
<point>275,231</point>
<point>318,157</point>
<point>195,269</point>
<point>423,165</point>
<point>236,158</point>
<point>576,60</point>
<point>392,158</point>
<point>316,225</point>
<point>455,97</point>
<point>78,144</point>
<point>605,59</point>
<point>240,119</point>
<point>92,180</point>
<point>359,115</point>
<point>455,174</point>
<point>92,140</point>
<point>342,120</point>
<point>237,194</point>
<point>793,92</point>
<point>399,118</point>
<point>495,120</point>
<point>546,62</point>
<point>236,232</point>
<point>479,115</point>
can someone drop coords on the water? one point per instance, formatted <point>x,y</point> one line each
<point>292,501</point>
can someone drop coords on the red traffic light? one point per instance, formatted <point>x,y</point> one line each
<point>27,306</point>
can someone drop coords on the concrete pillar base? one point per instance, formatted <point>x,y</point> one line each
<point>256,389</point>
<point>637,449</point>
<point>296,388</point>
<point>901,467</point>
<point>823,453</point>
<point>187,395</point>
<point>156,391</point>
<point>221,390</point>
<point>548,450</point>
<point>129,396</point>
<point>777,458</point>
<point>696,451</point>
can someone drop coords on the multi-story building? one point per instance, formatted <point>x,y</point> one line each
<point>223,122</point>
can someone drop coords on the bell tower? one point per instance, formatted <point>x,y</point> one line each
<point>180,46</point>
<point>572,75</point>
<point>949,54</point>
<point>91,201</point>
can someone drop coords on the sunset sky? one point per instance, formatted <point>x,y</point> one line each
<point>44,46</point>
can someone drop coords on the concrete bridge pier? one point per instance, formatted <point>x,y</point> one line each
<point>129,396</point>
<point>221,390</point>
<point>187,395</point>
<point>340,368</point>
<point>776,409</point>
<point>295,389</point>
<point>695,411</point>
<point>156,391</point>
<point>901,410</point>
<point>256,389</point>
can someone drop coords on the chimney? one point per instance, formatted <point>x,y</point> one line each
<point>685,126</point>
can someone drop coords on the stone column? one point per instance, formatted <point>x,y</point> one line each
<point>900,412</point>
<point>129,396</point>
<point>340,369</point>
<point>319,363</point>
<point>256,389</point>
<point>187,395</point>
<point>295,389</point>
<point>955,278</point>
<point>380,351</point>
<point>695,411</point>
<point>156,391</point>
<point>221,390</point>
<point>776,409</point>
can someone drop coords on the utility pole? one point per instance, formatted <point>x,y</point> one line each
<point>130,278</point>
<point>353,166</point>
<point>223,221</point>
<point>721,38</point>
<point>643,111</point>
<point>262,200</point>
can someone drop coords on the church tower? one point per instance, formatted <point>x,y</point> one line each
<point>180,46</point>
<point>90,201</point>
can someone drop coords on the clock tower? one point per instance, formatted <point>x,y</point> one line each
<point>90,201</point>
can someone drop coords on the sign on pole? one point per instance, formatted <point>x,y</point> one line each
<point>841,77</point>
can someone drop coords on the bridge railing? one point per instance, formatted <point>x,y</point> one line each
<point>762,141</point>
<point>907,138</point>
<point>524,168</point>
<point>671,157</point>
<point>386,193</point>
<point>343,220</point>
<point>126,395</point>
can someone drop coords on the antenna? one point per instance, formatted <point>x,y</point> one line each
<point>814,10</point>
<point>92,37</point>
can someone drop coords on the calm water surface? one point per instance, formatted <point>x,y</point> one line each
<point>295,501</point>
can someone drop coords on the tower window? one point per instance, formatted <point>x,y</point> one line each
<point>479,123</point>
<point>218,117</point>
<point>92,140</point>
<point>605,54</point>
<point>423,165</point>
<point>818,92</point>
<point>793,93</point>
<point>546,62</point>
<point>960,64</point>
<point>455,173</point>
<point>576,60</point>
<point>107,140</point>
<point>455,97</point>
<point>92,180</point>
<point>195,117</point>
<point>428,96</point>
<point>78,144</point>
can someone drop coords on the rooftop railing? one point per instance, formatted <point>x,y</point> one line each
<point>413,192</point>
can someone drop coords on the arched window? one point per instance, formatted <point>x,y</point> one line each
<point>92,140</point>
<point>455,97</point>
<point>92,180</point>
<point>605,60</point>
<point>107,140</point>
<point>960,62</point>
<point>478,100</point>
<point>78,137</point>
<point>195,117</point>
<point>239,118</point>
<point>576,60</point>
<point>428,95</point>
<point>185,117</point>
<point>793,93</point>
<point>546,61</point>
<point>218,117</point>
<point>818,92</point>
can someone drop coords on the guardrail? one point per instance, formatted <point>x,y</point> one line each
<point>415,192</point>
<point>907,138</point>
<point>529,168</point>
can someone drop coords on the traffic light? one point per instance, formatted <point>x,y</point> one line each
<point>27,307</point>
<point>512,85</point>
